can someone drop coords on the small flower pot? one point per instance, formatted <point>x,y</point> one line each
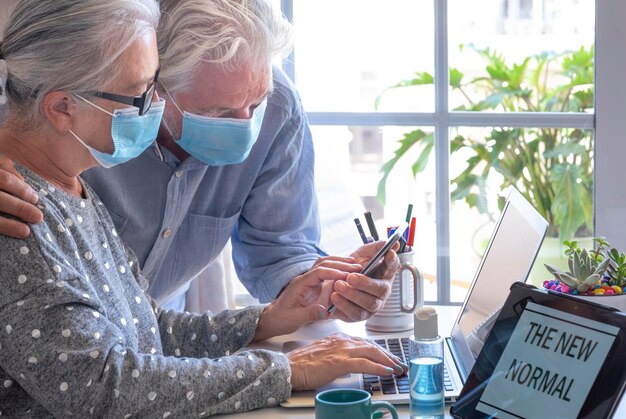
<point>617,301</point>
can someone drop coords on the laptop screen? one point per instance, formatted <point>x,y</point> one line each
<point>509,256</point>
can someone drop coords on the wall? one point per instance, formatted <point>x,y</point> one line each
<point>610,116</point>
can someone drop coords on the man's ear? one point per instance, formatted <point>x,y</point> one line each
<point>60,110</point>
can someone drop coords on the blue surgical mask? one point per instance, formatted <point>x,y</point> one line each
<point>220,141</point>
<point>132,134</point>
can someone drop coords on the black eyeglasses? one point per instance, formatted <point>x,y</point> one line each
<point>143,102</point>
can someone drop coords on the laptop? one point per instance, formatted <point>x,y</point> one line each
<point>509,256</point>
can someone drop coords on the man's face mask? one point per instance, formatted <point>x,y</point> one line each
<point>132,133</point>
<point>220,141</point>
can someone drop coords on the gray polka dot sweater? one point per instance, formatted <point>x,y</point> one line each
<point>80,338</point>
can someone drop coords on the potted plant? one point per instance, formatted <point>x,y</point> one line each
<point>552,168</point>
<point>596,272</point>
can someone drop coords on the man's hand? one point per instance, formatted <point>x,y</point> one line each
<point>16,199</point>
<point>359,296</point>
<point>298,304</point>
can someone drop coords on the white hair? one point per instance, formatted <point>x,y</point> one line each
<point>228,33</point>
<point>68,45</point>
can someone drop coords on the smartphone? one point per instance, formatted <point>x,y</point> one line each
<point>373,263</point>
<point>391,240</point>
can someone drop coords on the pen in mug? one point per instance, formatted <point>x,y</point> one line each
<point>361,232</point>
<point>403,241</point>
<point>411,234</point>
<point>371,225</point>
<point>409,211</point>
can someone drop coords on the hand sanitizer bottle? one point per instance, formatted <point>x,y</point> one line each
<point>426,367</point>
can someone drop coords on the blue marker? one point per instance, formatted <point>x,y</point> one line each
<point>361,232</point>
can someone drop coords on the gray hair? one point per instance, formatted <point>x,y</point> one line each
<point>228,33</point>
<point>67,45</point>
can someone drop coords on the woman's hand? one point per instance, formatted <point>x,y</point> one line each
<point>324,360</point>
<point>16,199</point>
<point>298,304</point>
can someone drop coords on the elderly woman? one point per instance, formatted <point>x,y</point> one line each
<point>177,205</point>
<point>78,335</point>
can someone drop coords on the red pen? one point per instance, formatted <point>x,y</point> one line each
<point>411,233</point>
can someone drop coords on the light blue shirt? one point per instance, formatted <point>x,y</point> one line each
<point>177,217</point>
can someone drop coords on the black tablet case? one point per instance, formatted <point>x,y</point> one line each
<point>608,387</point>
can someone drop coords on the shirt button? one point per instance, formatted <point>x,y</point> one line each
<point>166,233</point>
<point>178,173</point>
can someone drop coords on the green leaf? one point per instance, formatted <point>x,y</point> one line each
<point>428,143</point>
<point>553,270</point>
<point>478,201</point>
<point>472,200</point>
<point>419,79</point>
<point>457,143</point>
<point>498,73</point>
<point>614,253</point>
<point>578,65</point>
<point>591,280</point>
<point>565,150</point>
<point>517,74</point>
<point>584,100</point>
<point>463,186</point>
<point>501,203</point>
<point>569,213</point>
<point>456,77</point>
<point>405,144</point>
<point>537,73</point>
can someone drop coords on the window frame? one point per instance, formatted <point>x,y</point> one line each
<point>610,97</point>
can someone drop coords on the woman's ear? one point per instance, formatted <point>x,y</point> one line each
<point>60,109</point>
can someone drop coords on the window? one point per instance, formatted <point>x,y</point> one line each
<point>462,68</point>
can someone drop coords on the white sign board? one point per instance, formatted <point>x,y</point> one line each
<point>548,366</point>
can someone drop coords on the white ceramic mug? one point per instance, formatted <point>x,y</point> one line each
<point>407,294</point>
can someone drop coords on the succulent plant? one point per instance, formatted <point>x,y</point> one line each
<point>617,267</point>
<point>585,270</point>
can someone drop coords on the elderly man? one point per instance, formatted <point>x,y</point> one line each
<point>233,159</point>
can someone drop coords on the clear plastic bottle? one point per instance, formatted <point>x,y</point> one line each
<point>426,367</point>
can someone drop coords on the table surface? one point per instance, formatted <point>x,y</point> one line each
<point>446,314</point>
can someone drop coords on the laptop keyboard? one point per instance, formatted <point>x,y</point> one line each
<point>391,384</point>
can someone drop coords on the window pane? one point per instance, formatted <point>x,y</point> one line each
<point>513,55</point>
<point>348,171</point>
<point>348,52</point>
<point>552,168</point>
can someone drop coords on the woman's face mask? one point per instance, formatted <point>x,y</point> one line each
<point>132,134</point>
<point>220,141</point>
